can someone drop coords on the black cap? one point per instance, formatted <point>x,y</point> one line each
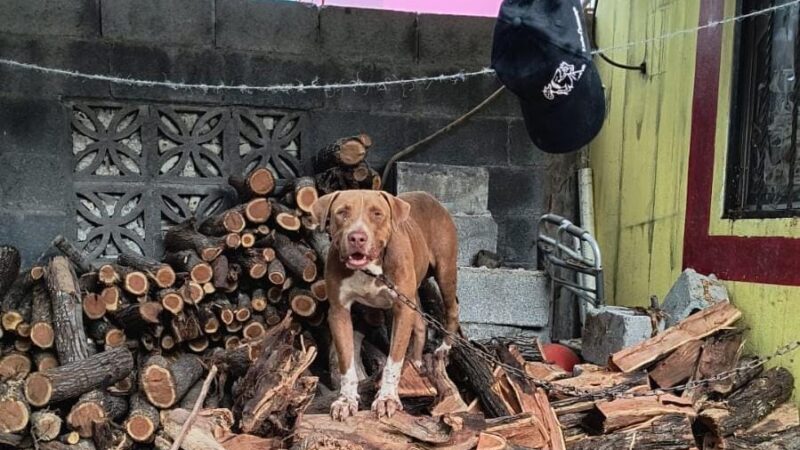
<point>541,53</point>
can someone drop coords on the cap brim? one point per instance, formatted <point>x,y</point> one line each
<point>571,122</point>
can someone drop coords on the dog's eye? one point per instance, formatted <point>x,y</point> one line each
<point>377,214</point>
<point>342,214</point>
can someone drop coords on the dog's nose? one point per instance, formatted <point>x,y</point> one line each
<point>357,238</point>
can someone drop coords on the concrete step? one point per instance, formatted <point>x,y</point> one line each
<point>475,233</point>
<point>503,302</point>
<point>462,190</point>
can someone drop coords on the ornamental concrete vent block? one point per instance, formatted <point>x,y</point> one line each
<point>462,190</point>
<point>692,292</point>
<point>506,297</point>
<point>610,329</point>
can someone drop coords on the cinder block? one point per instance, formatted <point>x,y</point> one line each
<point>461,189</point>
<point>267,25</point>
<point>458,41</point>
<point>510,297</point>
<point>482,331</point>
<point>358,33</point>
<point>78,18</point>
<point>181,22</point>
<point>475,233</point>
<point>610,329</point>
<point>692,292</point>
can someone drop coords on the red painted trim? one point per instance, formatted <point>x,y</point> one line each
<point>768,260</point>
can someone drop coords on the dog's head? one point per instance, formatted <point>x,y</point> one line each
<point>360,223</point>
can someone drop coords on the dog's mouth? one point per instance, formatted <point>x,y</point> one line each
<point>358,260</point>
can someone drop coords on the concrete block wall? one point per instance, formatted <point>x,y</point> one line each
<point>260,42</point>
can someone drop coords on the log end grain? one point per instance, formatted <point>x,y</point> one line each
<point>233,221</point>
<point>303,304</point>
<point>140,428</point>
<point>82,417</point>
<point>14,366</point>
<point>164,276</point>
<point>38,389</point>
<point>247,240</point>
<point>201,273</point>
<point>257,210</point>
<point>94,306</point>
<point>11,320</point>
<point>159,386</point>
<point>172,302</point>
<point>261,181</point>
<point>136,283</point>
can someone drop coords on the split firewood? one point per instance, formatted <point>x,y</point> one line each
<point>143,420</point>
<point>78,257</point>
<point>783,440</point>
<point>477,375</point>
<point>165,382</point>
<point>291,257</point>
<point>45,425</point>
<point>186,326</point>
<point>448,399</point>
<point>749,405</point>
<point>188,261</point>
<point>14,410</point>
<point>161,274</point>
<point>259,182</point>
<point>73,379</point>
<point>348,151</point>
<point>42,334</point>
<point>696,326</point>
<point>70,337</point>
<point>679,366</point>
<point>184,236</point>
<point>624,412</point>
<point>720,353</point>
<point>92,406</point>
<point>230,221</point>
<point>669,432</point>
<point>412,384</point>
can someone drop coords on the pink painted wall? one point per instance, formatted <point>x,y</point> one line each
<point>487,8</point>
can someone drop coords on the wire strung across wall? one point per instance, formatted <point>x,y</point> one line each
<point>356,84</point>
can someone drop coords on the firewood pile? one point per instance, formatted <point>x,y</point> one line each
<point>226,333</point>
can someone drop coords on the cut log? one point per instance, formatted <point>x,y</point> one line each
<point>347,151</point>
<point>319,290</point>
<point>165,382</point>
<point>750,404</point>
<point>143,420</point>
<point>276,272</point>
<point>720,354</point>
<point>247,239</point>
<point>94,307</point>
<point>696,326</point>
<point>135,319</point>
<point>302,302</point>
<point>198,345</point>
<point>292,258</point>
<point>258,300</point>
<point>112,298</point>
<point>670,432</point>
<point>45,425</point>
<point>305,193</point>
<point>192,292</point>
<point>78,257</point>
<point>184,236</point>
<point>167,342</point>
<point>286,218</point>
<point>186,326</point>
<point>14,410</point>
<point>259,182</point>
<point>678,366</point>
<point>233,240</point>
<point>161,274</point>
<point>44,361</point>
<point>188,261</point>
<point>254,265</point>
<point>230,221</point>
<point>76,378</point>
<point>94,406</point>
<point>106,334</point>
<point>208,320</point>
<point>254,329</point>
<point>42,334</point>
<point>243,310</point>
<point>624,412</point>
<point>171,300</point>
<point>256,211</point>
<point>70,337</point>
<point>107,435</point>
<point>133,281</point>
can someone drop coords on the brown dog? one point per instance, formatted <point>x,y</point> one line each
<point>404,238</point>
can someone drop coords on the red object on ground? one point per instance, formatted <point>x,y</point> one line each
<point>560,355</point>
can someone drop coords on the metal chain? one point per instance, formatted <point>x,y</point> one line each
<point>610,393</point>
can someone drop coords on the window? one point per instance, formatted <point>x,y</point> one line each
<point>763,173</point>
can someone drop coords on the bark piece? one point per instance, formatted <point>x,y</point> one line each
<point>78,257</point>
<point>70,337</point>
<point>696,326</point>
<point>165,382</point>
<point>73,379</point>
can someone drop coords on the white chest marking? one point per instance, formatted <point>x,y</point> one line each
<point>365,289</point>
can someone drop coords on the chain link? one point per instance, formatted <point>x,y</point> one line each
<point>581,394</point>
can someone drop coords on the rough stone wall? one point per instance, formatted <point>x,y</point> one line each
<point>255,42</point>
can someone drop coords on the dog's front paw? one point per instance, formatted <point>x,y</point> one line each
<point>386,406</point>
<point>343,408</point>
<point>443,349</point>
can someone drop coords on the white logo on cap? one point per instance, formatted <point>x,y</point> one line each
<point>563,80</point>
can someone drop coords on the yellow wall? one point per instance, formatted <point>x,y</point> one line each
<point>640,162</point>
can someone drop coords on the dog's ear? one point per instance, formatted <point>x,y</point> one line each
<point>321,209</point>
<point>400,209</point>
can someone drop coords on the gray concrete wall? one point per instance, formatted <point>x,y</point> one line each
<point>256,42</point>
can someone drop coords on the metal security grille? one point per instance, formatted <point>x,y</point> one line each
<point>763,176</point>
<point>140,168</point>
